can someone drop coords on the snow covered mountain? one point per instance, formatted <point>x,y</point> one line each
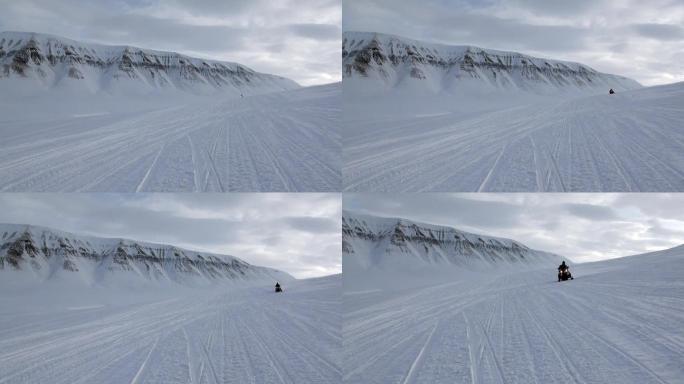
<point>371,242</point>
<point>52,62</point>
<point>397,62</point>
<point>49,253</point>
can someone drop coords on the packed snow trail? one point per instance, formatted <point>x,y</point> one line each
<point>618,322</point>
<point>631,141</point>
<point>287,141</point>
<point>244,336</point>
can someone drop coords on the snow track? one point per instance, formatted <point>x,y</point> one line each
<point>248,336</point>
<point>618,321</point>
<point>632,141</point>
<point>286,141</point>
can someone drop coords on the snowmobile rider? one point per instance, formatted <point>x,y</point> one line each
<point>564,272</point>
<point>611,91</point>
<point>277,287</point>
<point>563,267</point>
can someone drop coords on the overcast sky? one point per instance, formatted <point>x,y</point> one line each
<point>297,233</point>
<point>640,39</point>
<point>298,39</point>
<point>582,227</point>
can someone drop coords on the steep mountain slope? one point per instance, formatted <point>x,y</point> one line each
<point>370,242</point>
<point>52,62</point>
<point>49,254</point>
<point>375,60</point>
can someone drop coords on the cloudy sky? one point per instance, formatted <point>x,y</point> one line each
<point>640,39</point>
<point>299,39</point>
<point>583,227</point>
<point>298,233</point>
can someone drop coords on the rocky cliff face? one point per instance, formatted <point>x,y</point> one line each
<point>47,252</point>
<point>377,241</point>
<point>394,60</point>
<point>52,60</point>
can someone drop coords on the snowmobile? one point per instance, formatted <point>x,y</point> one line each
<point>564,274</point>
<point>611,92</point>
<point>277,288</point>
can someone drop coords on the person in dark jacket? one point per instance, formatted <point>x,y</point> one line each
<point>277,287</point>
<point>611,91</point>
<point>564,269</point>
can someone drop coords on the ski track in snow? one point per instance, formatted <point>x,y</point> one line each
<point>615,323</point>
<point>249,336</point>
<point>632,141</point>
<point>279,142</point>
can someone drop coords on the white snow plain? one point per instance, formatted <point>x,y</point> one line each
<point>618,321</point>
<point>59,332</point>
<point>283,141</point>
<point>417,141</point>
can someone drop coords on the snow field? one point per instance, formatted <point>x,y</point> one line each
<point>286,142</point>
<point>628,142</point>
<point>618,321</point>
<point>233,336</point>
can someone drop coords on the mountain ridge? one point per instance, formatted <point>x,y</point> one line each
<point>56,62</point>
<point>371,241</point>
<point>395,60</point>
<point>47,252</point>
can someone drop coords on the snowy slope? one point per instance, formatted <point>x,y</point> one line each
<point>381,61</point>
<point>630,141</point>
<point>379,244</point>
<point>282,141</point>
<point>619,321</point>
<point>43,62</point>
<point>43,254</point>
<point>213,336</point>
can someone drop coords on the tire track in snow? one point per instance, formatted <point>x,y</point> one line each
<point>194,165</point>
<point>473,363</point>
<point>149,170</point>
<point>419,359</point>
<point>266,353</point>
<point>137,376</point>
<point>491,170</point>
<point>565,359</point>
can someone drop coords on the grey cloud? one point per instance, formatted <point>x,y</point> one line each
<point>558,7</point>
<point>659,231</point>
<point>440,208</point>
<point>591,212</point>
<point>317,31</point>
<point>255,8</point>
<point>166,34</point>
<point>660,31</point>
<point>213,7</point>
<point>313,224</point>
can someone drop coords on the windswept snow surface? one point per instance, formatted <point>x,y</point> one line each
<point>619,321</point>
<point>286,141</point>
<point>52,334</point>
<point>412,141</point>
